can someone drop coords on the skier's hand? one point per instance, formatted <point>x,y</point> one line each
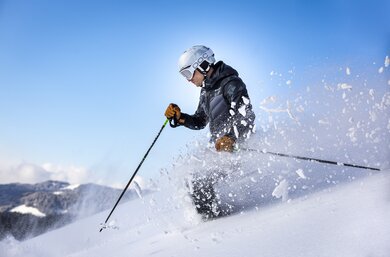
<point>173,111</point>
<point>225,143</point>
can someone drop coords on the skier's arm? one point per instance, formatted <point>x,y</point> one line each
<point>198,120</point>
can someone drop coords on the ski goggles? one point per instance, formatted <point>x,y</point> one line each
<point>188,71</point>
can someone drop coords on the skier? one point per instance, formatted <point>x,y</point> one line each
<point>224,104</point>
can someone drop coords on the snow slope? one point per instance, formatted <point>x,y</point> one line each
<point>346,220</point>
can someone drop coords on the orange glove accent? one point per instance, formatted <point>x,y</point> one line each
<point>225,143</point>
<point>173,111</point>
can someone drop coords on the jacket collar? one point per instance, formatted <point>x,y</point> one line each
<point>221,71</point>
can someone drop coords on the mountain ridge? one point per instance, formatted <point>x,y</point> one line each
<point>28,210</point>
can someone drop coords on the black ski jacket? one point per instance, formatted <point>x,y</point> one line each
<point>224,104</point>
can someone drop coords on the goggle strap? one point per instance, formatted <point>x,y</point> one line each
<point>204,66</point>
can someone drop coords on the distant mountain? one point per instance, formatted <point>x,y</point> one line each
<point>11,194</point>
<point>27,210</point>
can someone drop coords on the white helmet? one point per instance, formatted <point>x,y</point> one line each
<point>197,57</point>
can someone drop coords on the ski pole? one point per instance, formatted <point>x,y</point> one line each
<point>132,177</point>
<point>309,159</point>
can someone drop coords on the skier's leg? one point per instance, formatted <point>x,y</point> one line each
<point>204,196</point>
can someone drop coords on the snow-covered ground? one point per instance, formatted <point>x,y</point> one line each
<point>347,220</point>
<point>28,210</point>
<point>71,187</point>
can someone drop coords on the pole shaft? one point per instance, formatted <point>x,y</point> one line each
<point>310,159</point>
<point>133,176</point>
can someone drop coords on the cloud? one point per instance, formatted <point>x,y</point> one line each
<point>32,173</point>
<point>22,173</point>
<point>72,174</point>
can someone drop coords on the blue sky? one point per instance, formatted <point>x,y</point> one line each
<point>86,83</point>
